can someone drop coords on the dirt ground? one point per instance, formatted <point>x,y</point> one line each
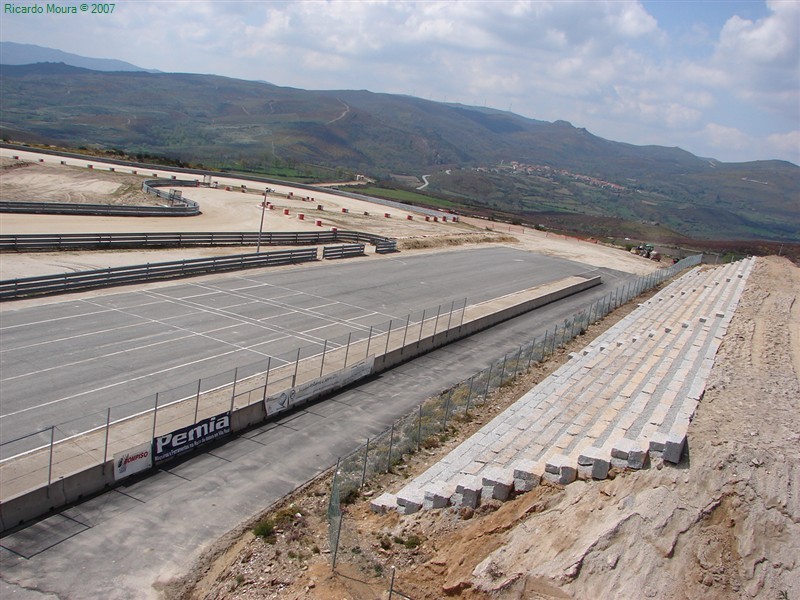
<point>725,523</point>
<point>238,211</point>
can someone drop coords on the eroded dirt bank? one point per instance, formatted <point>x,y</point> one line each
<point>723,524</point>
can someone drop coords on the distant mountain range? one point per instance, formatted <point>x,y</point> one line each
<point>223,122</point>
<point>12,53</point>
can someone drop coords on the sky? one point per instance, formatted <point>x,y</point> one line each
<point>718,78</point>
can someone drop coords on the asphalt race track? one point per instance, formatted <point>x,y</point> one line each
<point>63,361</point>
<point>119,544</point>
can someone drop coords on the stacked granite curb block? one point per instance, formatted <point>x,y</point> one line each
<point>625,399</point>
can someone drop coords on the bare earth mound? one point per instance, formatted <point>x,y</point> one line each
<point>725,523</point>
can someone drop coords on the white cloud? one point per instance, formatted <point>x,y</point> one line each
<point>784,144</point>
<point>720,136</point>
<point>606,66</point>
<point>762,58</point>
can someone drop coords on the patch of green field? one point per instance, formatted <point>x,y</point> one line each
<point>405,196</point>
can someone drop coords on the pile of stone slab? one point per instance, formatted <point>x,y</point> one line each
<point>623,400</point>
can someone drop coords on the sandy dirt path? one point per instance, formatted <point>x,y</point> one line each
<point>235,210</point>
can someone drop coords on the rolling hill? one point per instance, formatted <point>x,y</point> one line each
<point>223,122</point>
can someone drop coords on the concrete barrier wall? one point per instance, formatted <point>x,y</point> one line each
<point>59,493</point>
<point>425,345</point>
<point>98,478</point>
<point>248,416</point>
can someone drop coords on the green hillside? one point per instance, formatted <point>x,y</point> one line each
<point>227,123</point>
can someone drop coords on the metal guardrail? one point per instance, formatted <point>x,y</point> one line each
<point>108,241</point>
<point>229,175</point>
<point>67,282</point>
<point>344,251</point>
<point>178,205</point>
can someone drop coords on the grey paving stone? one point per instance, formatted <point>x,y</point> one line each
<point>383,503</point>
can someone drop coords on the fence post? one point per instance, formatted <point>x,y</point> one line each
<point>421,326</point>
<point>197,400</point>
<point>388,334</point>
<point>369,341</point>
<point>419,428</point>
<point>450,316</point>
<point>50,461</point>
<point>108,425</point>
<point>347,351</point>
<point>463,310</point>
<point>488,382</point>
<point>436,323</point>
<point>296,364</point>
<point>338,527</point>
<point>391,585</point>
<point>322,364</point>
<point>364,469</point>
<point>447,410</point>
<point>405,333</point>
<point>533,349</point>
<point>469,395</point>
<point>391,440</point>
<point>266,377</point>
<point>233,393</point>
<point>155,414</point>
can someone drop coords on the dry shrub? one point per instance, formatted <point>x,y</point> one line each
<point>453,240</point>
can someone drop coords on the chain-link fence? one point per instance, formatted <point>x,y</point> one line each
<point>38,458</point>
<point>428,426</point>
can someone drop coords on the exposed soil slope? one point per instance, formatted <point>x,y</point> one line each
<point>725,523</point>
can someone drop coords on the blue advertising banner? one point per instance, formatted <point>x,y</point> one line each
<point>188,438</point>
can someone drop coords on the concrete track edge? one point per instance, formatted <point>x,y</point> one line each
<point>17,511</point>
